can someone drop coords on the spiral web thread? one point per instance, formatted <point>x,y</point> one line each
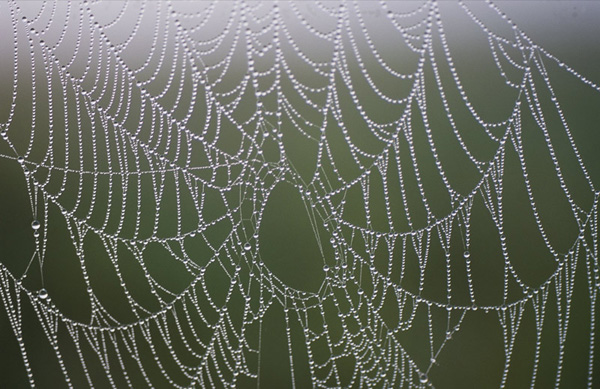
<point>205,116</point>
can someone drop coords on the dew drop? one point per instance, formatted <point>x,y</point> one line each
<point>35,225</point>
<point>467,254</point>
<point>247,246</point>
<point>43,294</point>
<point>423,378</point>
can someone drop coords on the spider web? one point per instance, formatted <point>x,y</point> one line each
<point>166,147</point>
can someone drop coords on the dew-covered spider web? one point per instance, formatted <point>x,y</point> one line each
<point>277,194</point>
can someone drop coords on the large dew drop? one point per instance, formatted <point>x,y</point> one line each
<point>43,294</point>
